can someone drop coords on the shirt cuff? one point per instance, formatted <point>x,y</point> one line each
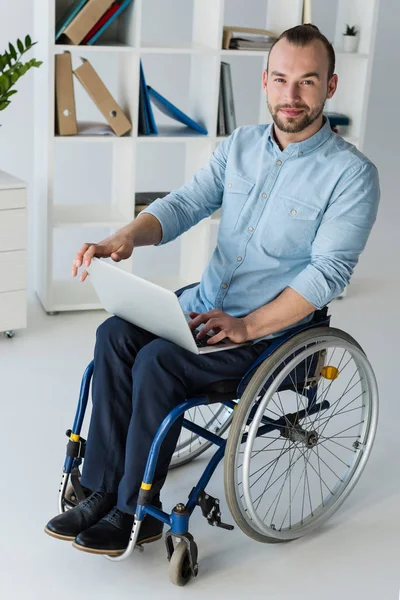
<point>166,218</point>
<point>314,287</point>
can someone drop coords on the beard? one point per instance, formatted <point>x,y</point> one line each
<point>295,124</point>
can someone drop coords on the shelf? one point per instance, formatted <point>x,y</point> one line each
<point>171,134</point>
<point>105,47</point>
<point>258,53</point>
<point>88,216</point>
<point>93,139</point>
<point>184,48</point>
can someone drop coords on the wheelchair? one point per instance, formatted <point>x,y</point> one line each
<point>295,433</point>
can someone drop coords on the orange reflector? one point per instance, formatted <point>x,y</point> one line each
<point>330,372</point>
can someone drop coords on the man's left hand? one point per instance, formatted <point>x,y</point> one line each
<point>222,324</point>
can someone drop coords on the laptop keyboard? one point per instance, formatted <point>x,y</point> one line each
<point>202,343</point>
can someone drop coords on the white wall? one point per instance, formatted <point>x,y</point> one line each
<point>381,143</point>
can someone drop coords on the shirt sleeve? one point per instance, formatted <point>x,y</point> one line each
<point>181,209</point>
<point>341,236</point>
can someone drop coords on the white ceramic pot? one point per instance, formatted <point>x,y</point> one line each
<point>350,43</point>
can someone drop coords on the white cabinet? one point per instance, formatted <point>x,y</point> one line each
<point>13,255</point>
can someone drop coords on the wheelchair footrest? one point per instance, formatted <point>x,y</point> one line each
<point>211,510</point>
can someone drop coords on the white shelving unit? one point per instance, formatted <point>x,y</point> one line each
<point>85,185</point>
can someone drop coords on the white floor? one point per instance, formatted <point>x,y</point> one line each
<point>355,556</point>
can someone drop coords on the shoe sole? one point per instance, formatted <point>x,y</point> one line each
<point>66,538</point>
<point>115,552</point>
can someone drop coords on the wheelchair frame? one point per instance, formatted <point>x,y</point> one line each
<point>178,520</point>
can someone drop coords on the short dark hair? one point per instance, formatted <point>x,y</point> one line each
<point>303,35</point>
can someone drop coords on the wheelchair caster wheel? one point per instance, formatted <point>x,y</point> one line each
<point>9,334</point>
<point>180,571</point>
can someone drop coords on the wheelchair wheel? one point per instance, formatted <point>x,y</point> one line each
<point>301,435</point>
<point>179,570</point>
<point>213,417</point>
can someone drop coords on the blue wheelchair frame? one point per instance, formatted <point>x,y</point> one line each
<point>178,520</point>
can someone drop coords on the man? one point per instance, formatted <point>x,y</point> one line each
<point>298,204</point>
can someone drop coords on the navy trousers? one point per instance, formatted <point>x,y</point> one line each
<point>138,378</point>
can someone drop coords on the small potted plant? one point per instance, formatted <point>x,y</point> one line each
<point>350,39</point>
<point>12,68</point>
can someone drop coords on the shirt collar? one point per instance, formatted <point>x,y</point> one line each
<point>307,145</point>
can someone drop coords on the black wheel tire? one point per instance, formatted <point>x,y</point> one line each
<point>179,570</point>
<point>267,366</point>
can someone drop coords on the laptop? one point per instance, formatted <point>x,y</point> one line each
<point>149,306</point>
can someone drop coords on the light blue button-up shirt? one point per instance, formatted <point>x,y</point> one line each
<point>295,218</point>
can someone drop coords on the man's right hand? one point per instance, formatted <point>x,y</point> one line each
<point>118,246</point>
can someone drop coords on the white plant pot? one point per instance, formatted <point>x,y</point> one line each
<point>350,43</point>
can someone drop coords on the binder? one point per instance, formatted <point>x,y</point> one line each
<point>227,95</point>
<point>148,110</point>
<point>172,111</point>
<point>92,11</point>
<point>221,112</point>
<point>104,101</point>
<point>104,19</point>
<point>122,7</point>
<point>228,31</point>
<point>68,16</point>
<point>65,99</point>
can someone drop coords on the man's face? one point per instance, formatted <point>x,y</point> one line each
<point>297,84</point>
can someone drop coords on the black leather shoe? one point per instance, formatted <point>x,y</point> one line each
<point>111,534</point>
<point>69,524</point>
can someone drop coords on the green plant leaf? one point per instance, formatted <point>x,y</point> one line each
<point>4,105</point>
<point>5,83</point>
<point>10,93</point>
<point>28,41</point>
<point>20,46</point>
<point>13,52</point>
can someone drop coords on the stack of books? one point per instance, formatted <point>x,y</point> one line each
<point>247,38</point>
<point>147,124</point>
<point>66,121</point>
<point>86,20</point>
<point>226,106</point>
<point>144,199</point>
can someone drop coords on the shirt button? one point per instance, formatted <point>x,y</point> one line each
<point>229,185</point>
<point>224,286</point>
<point>239,258</point>
<point>279,162</point>
<point>300,154</point>
<point>293,212</point>
<point>263,195</point>
<point>250,229</point>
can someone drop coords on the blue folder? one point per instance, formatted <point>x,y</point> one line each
<point>111,20</point>
<point>149,116</point>
<point>68,16</point>
<point>171,111</point>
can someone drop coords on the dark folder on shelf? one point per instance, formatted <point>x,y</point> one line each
<point>172,111</point>
<point>101,96</point>
<point>68,16</point>
<point>146,116</point>
<point>337,119</point>
<point>122,5</point>
<point>221,112</point>
<point>227,95</point>
<point>64,96</point>
<point>102,21</point>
